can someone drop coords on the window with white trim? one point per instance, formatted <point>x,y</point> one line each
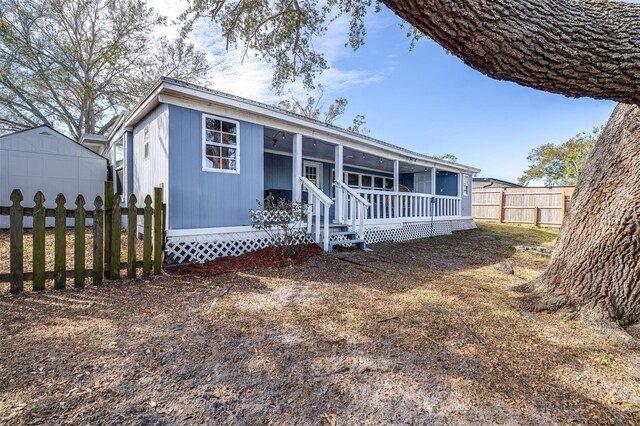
<point>221,144</point>
<point>147,148</point>
<point>465,185</point>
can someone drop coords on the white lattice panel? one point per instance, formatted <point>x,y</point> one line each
<point>463,225</point>
<point>201,248</point>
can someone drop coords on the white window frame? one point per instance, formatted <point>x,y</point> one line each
<point>236,171</point>
<point>465,185</point>
<point>345,179</point>
<point>146,142</point>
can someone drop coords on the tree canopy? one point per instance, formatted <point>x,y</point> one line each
<point>76,64</point>
<point>560,165</point>
<point>313,107</point>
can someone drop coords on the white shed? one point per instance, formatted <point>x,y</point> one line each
<point>42,159</point>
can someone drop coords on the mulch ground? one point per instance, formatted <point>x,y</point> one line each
<point>264,258</point>
<point>422,332</point>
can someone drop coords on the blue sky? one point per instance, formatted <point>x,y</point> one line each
<point>425,100</point>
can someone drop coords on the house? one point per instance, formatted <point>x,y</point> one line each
<point>42,159</point>
<point>480,182</point>
<point>216,155</point>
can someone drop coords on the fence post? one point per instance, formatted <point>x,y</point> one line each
<point>98,243</point>
<point>38,241</point>
<point>501,206</point>
<point>60,249</point>
<point>536,216</point>
<point>79,244</point>
<point>157,230</point>
<point>132,223</point>
<point>146,236</point>
<point>108,204</point>
<point>16,225</point>
<point>116,220</point>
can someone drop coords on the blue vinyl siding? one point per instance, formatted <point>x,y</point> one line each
<point>446,183</point>
<point>278,171</point>
<point>199,199</point>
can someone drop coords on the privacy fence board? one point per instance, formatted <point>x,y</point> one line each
<point>103,244</point>
<point>544,207</point>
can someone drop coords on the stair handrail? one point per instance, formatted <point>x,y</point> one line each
<point>360,205</point>
<point>317,198</point>
<point>353,193</point>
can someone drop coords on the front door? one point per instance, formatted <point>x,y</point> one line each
<point>312,170</point>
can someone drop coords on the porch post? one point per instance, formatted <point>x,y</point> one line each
<point>433,180</point>
<point>339,154</point>
<point>296,188</point>
<point>396,188</point>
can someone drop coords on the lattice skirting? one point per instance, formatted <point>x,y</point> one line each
<point>201,248</point>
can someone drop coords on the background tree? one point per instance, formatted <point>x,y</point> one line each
<point>75,64</point>
<point>446,157</point>
<point>573,47</point>
<point>312,107</point>
<point>560,165</point>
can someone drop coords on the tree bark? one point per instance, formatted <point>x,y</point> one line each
<point>573,47</point>
<point>595,267</point>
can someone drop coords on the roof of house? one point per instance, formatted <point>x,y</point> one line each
<point>169,85</point>
<point>47,131</point>
<point>494,180</point>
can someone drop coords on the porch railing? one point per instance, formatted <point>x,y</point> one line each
<point>318,206</point>
<point>407,205</point>
<point>354,207</point>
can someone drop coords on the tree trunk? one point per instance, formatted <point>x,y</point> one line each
<point>595,267</point>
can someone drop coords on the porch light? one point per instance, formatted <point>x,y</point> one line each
<point>275,142</point>
<point>282,135</point>
<point>362,155</point>
<point>314,143</point>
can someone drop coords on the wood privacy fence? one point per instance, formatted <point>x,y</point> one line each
<point>542,207</point>
<point>106,247</point>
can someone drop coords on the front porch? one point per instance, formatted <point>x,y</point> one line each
<point>378,195</point>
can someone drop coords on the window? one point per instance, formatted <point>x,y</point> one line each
<point>378,183</point>
<point>465,185</point>
<point>221,145</point>
<point>118,152</point>
<point>366,181</point>
<point>147,148</point>
<point>353,180</point>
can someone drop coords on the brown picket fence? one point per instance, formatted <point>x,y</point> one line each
<point>106,248</point>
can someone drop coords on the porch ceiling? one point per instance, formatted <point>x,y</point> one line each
<point>282,142</point>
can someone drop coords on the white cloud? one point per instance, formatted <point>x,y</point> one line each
<point>250,76</point>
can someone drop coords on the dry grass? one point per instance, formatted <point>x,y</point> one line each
<point>414,333</point>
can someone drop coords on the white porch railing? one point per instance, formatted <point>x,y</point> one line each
<point>318,205</point>
<point>408,205</point>
<point>354,207</point>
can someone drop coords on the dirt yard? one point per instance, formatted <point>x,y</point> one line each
<point>423,332</point>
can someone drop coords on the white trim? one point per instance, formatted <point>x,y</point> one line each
<point>146,142</point>
<point>204,143</point>
<point>244,110</point>
<point>248,228</point>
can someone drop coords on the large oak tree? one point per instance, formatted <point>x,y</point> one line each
<point>572,47</point>
<point>76,64</point>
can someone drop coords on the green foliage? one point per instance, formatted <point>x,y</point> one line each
<point>560,165</point>
<point>76,64</point>
<point>282,32</point>
<point>281,220</point>
<point>625,319</point>
<point>446,157</point>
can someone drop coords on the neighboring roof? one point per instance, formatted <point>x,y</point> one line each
<point>50,131</point>
<point>168,85</point>
<point>494,180</point>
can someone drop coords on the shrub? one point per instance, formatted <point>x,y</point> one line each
<point>282,221</point>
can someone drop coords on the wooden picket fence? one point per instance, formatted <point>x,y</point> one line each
<point>106,248</point>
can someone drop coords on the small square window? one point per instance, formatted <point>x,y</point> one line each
<point>366,181</point>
